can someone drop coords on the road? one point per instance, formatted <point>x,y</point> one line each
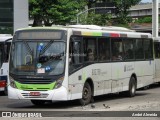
<point>145,100</point>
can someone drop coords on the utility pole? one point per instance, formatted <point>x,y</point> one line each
<point>155,20</point>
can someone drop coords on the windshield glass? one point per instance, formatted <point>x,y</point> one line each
<point>1,54</point>
<point>37,58</point>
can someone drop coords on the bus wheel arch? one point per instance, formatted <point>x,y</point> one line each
<point>87,92</point>
<point>90,81</point>
<point>132,86</point>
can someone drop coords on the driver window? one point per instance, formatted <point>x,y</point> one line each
<point>75,50</point>
<point>75,57</point>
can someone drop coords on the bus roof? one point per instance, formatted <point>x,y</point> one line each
<point>109,31</point>
<point>48,28</point>
<point>94,30</point>
<point>4,37</point>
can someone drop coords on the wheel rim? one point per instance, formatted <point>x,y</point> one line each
<point>133,89</point>
<point>85,93</point>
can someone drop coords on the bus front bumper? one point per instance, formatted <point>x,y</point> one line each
<point>55,94</point>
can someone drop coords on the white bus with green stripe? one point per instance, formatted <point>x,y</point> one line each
<point>78,62</point>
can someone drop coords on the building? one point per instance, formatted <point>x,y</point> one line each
<point>141,10</point>
<point>6,15</point>
<point>13,15</point>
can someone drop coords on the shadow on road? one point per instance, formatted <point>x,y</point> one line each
<point>48,105</point>
<point>153,86</point>
<point>2,94</point>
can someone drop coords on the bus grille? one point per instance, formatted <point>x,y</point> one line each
<point>27,95</point>
<point>34,81</point>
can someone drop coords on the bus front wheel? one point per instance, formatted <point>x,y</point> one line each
<point>38,102</point>
<point>86,94</point>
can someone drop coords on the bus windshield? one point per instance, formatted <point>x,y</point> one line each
<point>43,57</point>
<point>1,54</point>
<point>4,52</point>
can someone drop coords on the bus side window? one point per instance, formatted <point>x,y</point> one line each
<point>128,49</point>
<point>76,52</point>
<point>103,49</point>
<point>75,58</point>
<point>90,49</point>
<point>139,49</point>
<point>148,49</point>
<point>117,49</point>
<point>157,49</point>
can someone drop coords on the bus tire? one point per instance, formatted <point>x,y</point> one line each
<point>86,94</point>
<point>38,102</point>
<point>5,91</point>
<point>132,87</point>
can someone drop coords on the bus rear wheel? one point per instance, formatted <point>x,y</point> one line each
<point>86,94</point>
<point>132,87</point>
<point>38,102</point>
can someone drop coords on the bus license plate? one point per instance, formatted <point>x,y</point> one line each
<point>35,93</point>
<point>1,89</point>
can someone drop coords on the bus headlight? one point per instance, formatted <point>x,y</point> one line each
<point>59,83</point>
<point>12,83</point>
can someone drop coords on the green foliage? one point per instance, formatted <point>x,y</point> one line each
<point>144,20</point>
<point>121,13</point>
<point>122,7</point>
<point>55,11</point>
<point>95,19</point>
<point>62,12</point>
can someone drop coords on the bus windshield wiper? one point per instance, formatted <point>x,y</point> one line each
<point>28,48</point>
<point>46,47</point>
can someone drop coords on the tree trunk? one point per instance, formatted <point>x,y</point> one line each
<point>37,21</point>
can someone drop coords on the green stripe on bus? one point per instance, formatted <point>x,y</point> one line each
<point>92,33</point>
<point>35,86</point>
<point>97,33</point>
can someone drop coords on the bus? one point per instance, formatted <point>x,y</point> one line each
<point>5,42</point>
<point>78,62</point>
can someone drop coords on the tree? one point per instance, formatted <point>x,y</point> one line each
<point>35,12</point>
<point>54,11</point>
<point>121,11</point>
<point>96,19</point>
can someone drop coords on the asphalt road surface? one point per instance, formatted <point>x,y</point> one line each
<point>145,100</point>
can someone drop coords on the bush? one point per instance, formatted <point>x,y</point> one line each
<point>144,20</point>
